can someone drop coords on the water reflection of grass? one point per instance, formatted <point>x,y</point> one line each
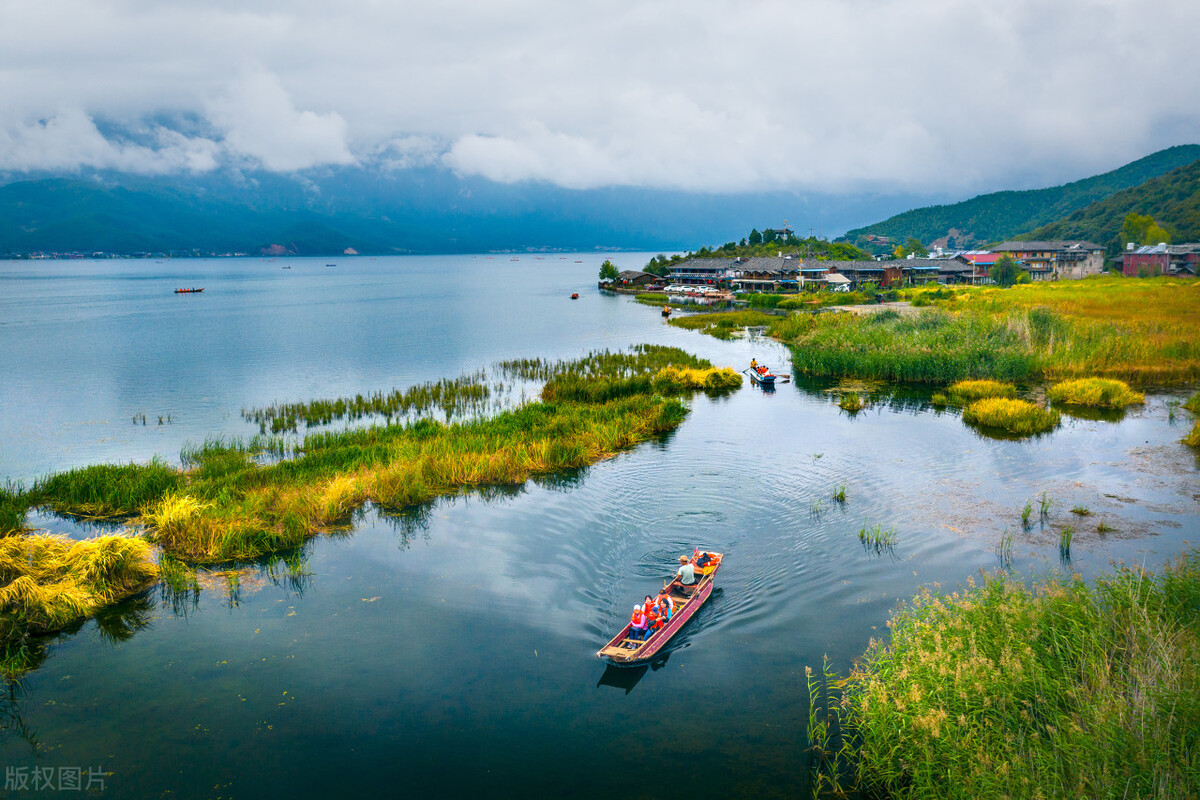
<point>1063,689</point>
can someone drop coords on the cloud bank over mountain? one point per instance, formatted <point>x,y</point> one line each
<point>713,95</point>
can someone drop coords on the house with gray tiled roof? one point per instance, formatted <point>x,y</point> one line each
<point>1052,260</point>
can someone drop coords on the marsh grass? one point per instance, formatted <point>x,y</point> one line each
<point>1044,504</point>
<point>1015,416</point>
<point>456,397</point>
<point>1004,548</point>
<point>1081,511</point>
<point>1065,537</point>
<point>1147,332</point>
<point>1025,513</point>
<point>1101,392</point>
<point>104,490</point>
<point>722,324</point>
<point>963,392</point>
<point>50,582</point>
<point>1193,438</point>
<point>1103,527</point>
<point>839,494</point>
<point>1060,690</point>
<point>1193,403</point>
<point>852,403</point>
<point>13,508</point>
<point>681,380</point>
<point>232,505</point>
<point>876,537</point>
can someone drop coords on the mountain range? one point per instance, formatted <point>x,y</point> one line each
<point>415,210</point>
<point>432,210</point>
<point>1009,214</point>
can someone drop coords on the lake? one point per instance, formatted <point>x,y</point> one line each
<point>449,651</point>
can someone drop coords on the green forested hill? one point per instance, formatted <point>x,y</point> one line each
<point>1173,200</point>
<point>1003,215</point>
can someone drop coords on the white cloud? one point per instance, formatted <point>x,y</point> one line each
<point>70,140</point>
<point>712,94</point>
<point>260,122</point>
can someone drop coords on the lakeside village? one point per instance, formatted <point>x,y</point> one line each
<point>722,279</point>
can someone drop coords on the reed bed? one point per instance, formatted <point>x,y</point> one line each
<point>722,324</point>
<point>1103,392</point>
<point>713,380</point>
<point>1060,690</point>
<point>104,490</point>
<point>232,505</point>
<point>456,397</point>
<point>1145,332</point>
<point>1019,417</point>
<point>851,403</point>
<point>963,392</point>
<point>1193,403</point>
<point>1193,437</point>
<point>50,582</point>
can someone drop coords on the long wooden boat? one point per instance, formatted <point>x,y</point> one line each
<point>623,651</point>
<point>189,291</point>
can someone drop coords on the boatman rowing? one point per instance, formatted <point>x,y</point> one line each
<point>686,574</point>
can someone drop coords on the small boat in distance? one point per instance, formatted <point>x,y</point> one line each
<point>331,265</point>
<point>189,291</point>
<point>624,651</point>
<point>574,295</point>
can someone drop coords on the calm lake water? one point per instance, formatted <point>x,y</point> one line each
<point>449,652</point>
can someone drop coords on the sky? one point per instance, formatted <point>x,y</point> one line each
<point>704,95</point>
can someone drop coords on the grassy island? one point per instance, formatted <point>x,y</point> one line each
<point>240,500</point>
<point>1145,331</point>
<point>1061,690</point>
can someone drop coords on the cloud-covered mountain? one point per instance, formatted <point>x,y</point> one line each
<point>387,210</point>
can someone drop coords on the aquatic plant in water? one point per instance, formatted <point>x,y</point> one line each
<point>1103,392</point>
<point>49,582</point>
<point>965,391</point>
<point>1015,416</point>
<point>1064,689</point>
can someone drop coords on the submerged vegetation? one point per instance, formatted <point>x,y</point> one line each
<point>1104,392</point>
<point>1062,690</point>
<point>1015,416</point>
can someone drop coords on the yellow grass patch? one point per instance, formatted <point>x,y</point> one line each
<point>1104,392</point>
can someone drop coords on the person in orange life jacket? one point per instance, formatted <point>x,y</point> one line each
<point>650,609</point>
<point>639,623</point>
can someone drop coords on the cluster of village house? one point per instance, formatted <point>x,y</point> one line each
<point>1044,261</point>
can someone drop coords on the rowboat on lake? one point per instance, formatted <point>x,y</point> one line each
<point>188,291</point>
<point>761,375</point>
<point>624,651</point>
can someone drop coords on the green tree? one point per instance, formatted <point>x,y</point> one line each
<point>755,237</point>
<point>914,246</point>
<point>1142,229</point>
<point>1005,272</point>
<point>608,271</point>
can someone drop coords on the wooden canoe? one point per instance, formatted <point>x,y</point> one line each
<point>623,651</point>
